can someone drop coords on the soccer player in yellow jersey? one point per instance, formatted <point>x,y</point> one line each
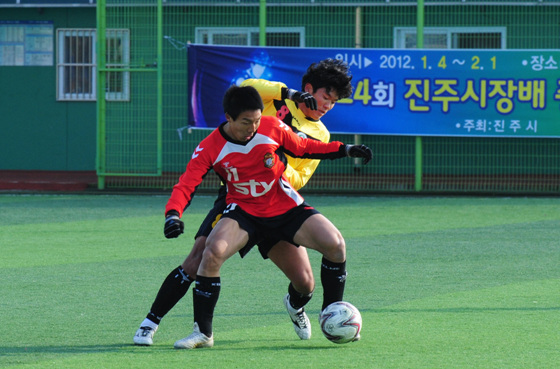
<point>304,120</point>
<point>323,84</point>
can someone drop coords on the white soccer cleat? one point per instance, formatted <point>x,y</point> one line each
<point>302,325</point>
<point>144,336</point>
<point>195,340</point>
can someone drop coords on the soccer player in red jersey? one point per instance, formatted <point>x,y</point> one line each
<point>247,153</point>
<point>323,84</point>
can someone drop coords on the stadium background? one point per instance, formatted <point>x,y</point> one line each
<point>139,143</point>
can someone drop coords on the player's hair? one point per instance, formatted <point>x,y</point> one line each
<point>332,74</point>
<point>239,99</point>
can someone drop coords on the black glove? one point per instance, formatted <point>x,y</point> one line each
<point>359,151</point>
<point>303,97</point>
<point>173,225</point>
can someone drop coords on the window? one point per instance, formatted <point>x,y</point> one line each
<point>77,65</point>
<point>452,38</point>
<point>275,36</point>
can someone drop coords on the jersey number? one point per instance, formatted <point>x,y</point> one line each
<point>232,174</point>
<point>281,114</point>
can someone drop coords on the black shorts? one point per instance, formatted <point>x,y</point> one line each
<point>266,232</point>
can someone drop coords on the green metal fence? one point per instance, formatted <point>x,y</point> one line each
<point>145,142</point>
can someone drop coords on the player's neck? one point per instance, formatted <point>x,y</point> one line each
<point>227,130</point>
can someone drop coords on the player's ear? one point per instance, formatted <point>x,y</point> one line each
<point>229,118</point>
<point>308,88</point>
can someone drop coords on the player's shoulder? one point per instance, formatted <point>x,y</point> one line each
<point>248,82</point>
<point>216,134</point>
<point>272,126</point>
<point>213,140</point>
<point>269,120</point>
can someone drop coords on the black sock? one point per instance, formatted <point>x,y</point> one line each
<point>333,279</point>
<point>205,297</point>
<point>298,300</point>
<point>171,291</point>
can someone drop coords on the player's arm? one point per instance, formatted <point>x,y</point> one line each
<point>271,90</point>
<point>313,149</point>
<point>183,192</point>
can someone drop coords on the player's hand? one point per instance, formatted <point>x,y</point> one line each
<point>359,151</point>
<point>303,97</point>
<point>173,225</point>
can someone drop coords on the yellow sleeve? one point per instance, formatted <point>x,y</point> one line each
<point>268,90</point>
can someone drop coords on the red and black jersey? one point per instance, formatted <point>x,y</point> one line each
<point>253,170</point>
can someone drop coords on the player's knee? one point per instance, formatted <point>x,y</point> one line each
<point>304,282</point>
<point>213,256</point>
<point>335,249</point>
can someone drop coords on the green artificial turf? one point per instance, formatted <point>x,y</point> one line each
<point>451,282</point>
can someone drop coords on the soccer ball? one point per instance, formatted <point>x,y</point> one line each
<point>341,322</point>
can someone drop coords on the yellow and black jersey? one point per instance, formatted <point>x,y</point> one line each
<point>298,171</point>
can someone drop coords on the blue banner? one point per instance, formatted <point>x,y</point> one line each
<point>495,93</point>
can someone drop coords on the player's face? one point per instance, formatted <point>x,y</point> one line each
<point>244,127</point>
<point>325,102</point>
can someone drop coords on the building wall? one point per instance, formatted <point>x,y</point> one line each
<point>39,132</point>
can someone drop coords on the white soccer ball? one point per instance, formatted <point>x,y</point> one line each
<point>341,322</point>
